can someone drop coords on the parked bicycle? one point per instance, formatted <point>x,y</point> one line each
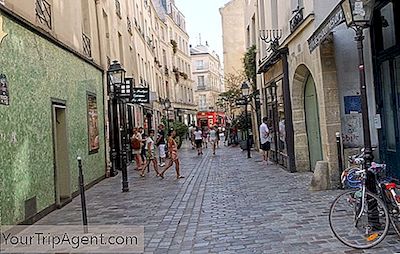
<point>359,218</point>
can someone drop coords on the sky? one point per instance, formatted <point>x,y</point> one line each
<point>202,17</point>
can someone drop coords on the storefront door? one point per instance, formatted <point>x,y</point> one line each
<point>390,113</point>
<point>312,122</point>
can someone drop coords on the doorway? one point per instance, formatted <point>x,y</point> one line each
<point>312,122</point>
<point>62,174</point>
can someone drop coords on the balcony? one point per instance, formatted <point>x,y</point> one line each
<point>87,49</point>
<point>297,19</point>
<point>118,8</point>
<point>43,13</point>
<point>129,25</point>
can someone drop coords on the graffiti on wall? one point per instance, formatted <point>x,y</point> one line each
<point>352,133</point>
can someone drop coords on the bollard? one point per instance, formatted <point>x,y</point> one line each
<point>82,192</point>
<point>339,151</point>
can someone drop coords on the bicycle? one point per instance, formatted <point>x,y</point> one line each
<point>359,218</point>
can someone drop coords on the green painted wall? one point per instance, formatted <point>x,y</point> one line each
<point>38,71</point>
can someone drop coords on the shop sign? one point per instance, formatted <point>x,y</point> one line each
<point>4,95</point>
<point>333,20</point>
<point>141,95</point>
<point>241,102</point>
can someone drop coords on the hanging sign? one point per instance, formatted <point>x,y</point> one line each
<point>333,20</point>
<point>4,96</point>
<point>141,95</point>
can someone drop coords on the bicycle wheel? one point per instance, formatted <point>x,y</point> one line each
<point>356,225</point>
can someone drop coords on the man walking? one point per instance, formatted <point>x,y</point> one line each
<point>161,144</point>
<point>265,139</point>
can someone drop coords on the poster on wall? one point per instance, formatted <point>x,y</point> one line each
<point>93,127</point>
<point>4,96</point>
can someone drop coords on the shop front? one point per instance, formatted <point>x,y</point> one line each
<point>385,35</point>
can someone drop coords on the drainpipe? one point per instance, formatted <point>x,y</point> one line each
<point>103,63</point>
<point>288,111</point>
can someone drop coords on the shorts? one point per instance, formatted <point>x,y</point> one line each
<point>266,146</point>
<point>150,155</point>
<point>161,150</point>
<point>198,142</point>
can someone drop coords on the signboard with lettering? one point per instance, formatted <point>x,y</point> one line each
<point>4,96</point>
<point>333,20</point>
<point>141,95</point>
<point>240,102</point>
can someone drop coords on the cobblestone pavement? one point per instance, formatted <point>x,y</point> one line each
<point>226,204</point>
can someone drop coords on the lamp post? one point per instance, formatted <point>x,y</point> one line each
<point>274,108</point>
<point>358,15</point>
<point>118,91</point>
<point>246,95</point>
<point>167,106</point>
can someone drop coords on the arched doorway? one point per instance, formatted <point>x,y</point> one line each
<point>312,122</point>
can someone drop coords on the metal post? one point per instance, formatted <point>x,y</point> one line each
<point>113,136</point>
<point>368,156</point>
<point>82,192</point>
<point>288,112</point>
<point>123,145</point>
<point>339,151</point>
<point>167,120</point>
<point>247,130</point>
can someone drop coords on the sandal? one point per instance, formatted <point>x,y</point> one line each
<point>142,175</point>
<point>180,177</point>
<point>161,175</point>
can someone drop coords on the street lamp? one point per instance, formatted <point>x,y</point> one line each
<point>246,95</point>
<point>167,106</point>
<point>118,91</point>
<point>358,15</point>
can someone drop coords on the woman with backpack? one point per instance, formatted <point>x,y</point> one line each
<point>136,144</point>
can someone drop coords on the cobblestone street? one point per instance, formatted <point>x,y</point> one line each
<point>226,204</point>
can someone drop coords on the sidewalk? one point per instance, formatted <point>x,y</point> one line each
<point>226,204</point>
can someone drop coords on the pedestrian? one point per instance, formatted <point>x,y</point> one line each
<point>173,155</point>
<point>218,137</point>
<point>191,136</point>
<point>161,144</point>
<point>265,139</point>
<point>213,138</point>
<point>198,140</point>
<point>136,144</point>
<point>205,136</point>
<point>150,154</point>
<point>143,151</point>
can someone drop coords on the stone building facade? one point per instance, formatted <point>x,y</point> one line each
<point>322,77</point>
<point>207,73</point>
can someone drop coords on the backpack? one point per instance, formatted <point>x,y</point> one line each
<point>135,144</point>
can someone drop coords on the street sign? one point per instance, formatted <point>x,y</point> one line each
<point>241,102</point>
<point>4,96</point>
<point>141,95</point>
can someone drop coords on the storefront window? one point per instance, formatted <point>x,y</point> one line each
<point>388,107</point>
<point>388,26</point>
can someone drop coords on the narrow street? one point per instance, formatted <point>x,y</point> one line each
<point>226,204</point>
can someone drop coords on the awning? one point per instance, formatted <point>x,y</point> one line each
<point>335,18</point>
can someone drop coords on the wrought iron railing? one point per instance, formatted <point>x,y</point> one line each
<point>87,47</point>
<point>43,13</point>
<point>118,8</point>
<point>296,20</point>
<point>129,25</point>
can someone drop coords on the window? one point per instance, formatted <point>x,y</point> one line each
<point>202,102</point>
<point>200,83</point>
<point>199,64</point>
<point>388,27</point>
